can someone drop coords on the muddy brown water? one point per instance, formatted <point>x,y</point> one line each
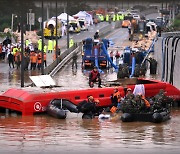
<point>43,134</point>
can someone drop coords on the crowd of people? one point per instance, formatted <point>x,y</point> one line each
<point>32,54</point>
<point>127,102</point>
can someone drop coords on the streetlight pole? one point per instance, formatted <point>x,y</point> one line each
<point>12,21</point>
<point>30,19</point>
<point>67,11</point>
<point>42,37</point>
<point>22,46</point>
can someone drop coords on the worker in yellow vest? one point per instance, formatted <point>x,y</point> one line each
<point>114,17</point>
<point>45,48</point>
<point>40,44</point>
<point>117,17</point>
<point>71,42</point>
<point>107,17</point>
<point>15,49</point>
<point>50,46</point>
<point>27,42</point>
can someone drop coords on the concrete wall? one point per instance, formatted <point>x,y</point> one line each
<point>158,57</point>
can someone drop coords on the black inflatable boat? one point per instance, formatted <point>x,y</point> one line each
<point>58,108</point>
<point>155,117</point>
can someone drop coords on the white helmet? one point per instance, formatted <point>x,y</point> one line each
<point>97,31</point>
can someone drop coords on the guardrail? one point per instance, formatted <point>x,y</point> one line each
<point>67,56</point>
<point>166,34</point>
<point>58,60</point>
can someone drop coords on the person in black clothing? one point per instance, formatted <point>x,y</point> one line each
<point>96,35</point>
<point>11,60</point>
<point>74,62</point>
<point>94,76</point>
<point>88,107</point>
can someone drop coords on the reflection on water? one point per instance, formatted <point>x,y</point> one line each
<point>44,134</point>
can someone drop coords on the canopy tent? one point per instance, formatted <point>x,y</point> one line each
<point>63,17</point>
<point>85,15</point>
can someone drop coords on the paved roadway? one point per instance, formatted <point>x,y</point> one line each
<point>10,77</point>
<point>70,78</point>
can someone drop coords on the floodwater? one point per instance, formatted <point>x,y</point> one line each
<point>42,134</point>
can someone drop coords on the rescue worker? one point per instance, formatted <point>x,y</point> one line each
<point>107,17</point>
<point>26,61</point>
<point>33,60</point>
<point>71,42</point>
<point>11,59</point>
<point>96,35</point>
<point>88,107</point>
<point>114,17</point>
<point>94,76</point>
<point>128,92</point>
<point>18,59</point>
<point>45,48</point>
<point>117,56</point>
<point>116,98</point>
<point>39,60</point>
<point>27,42</point>
<point>40,44</point>
<point>45,63</point>
<point>74,62</point>
<point>50,46</point>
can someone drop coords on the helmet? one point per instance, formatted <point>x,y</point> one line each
<point>97,31</point>
<point>129,89</point>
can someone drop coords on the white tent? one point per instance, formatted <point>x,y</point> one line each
<point>84,14</point>
<point>63,17</point>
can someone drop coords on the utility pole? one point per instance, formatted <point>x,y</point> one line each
<point>30,20</point>
<point>67,11</point>
<point>42,37</point>
<point>56,35</point>
<point>22,45</point>
<point>47,11</point>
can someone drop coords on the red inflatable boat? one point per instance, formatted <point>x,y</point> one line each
<point>29,102</point>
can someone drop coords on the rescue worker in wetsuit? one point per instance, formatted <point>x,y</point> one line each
<point>94,76</point>
<point>88,107</point>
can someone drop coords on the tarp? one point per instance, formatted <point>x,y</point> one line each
<point>63,17</point>
<point>85,15</point>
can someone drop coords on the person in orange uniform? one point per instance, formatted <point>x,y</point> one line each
<point>18,59</point>
<point>45,63</point>
<point>33,60</point>
<point>39,60</point>
<point>116,98</point>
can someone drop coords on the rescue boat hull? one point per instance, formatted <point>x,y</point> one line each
<point>29,102</point>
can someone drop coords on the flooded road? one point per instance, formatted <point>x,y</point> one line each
<point>43,134</point>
